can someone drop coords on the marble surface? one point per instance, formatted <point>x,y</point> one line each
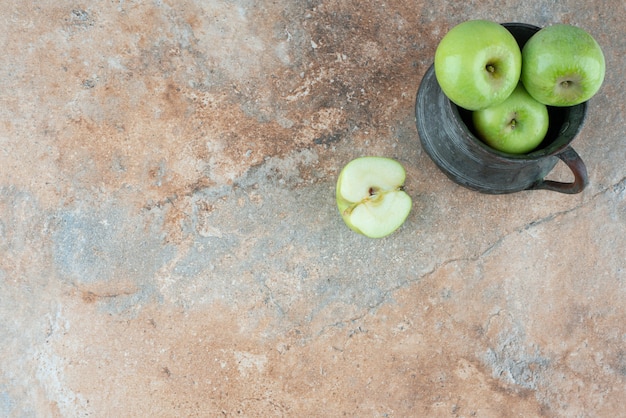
<point>170,244</point>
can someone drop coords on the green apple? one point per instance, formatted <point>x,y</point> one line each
<point>370,196</point>
<point>562,65</point>
<point>478,64</point>
<point>515,126</point>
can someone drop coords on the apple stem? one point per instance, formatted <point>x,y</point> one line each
<point>565,84</point>
<point>490,68</point>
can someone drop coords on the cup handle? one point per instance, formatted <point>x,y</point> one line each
<point>576,164</point>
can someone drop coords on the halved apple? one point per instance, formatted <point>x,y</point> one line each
<point>370,196</point>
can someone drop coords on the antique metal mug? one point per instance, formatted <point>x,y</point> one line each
<point>447,135</point>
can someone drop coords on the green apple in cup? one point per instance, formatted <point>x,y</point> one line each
<point>478,64</point>
<point>515,126</point>
<point>370,196</point>
<point>562,65</point>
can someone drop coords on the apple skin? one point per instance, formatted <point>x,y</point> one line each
<point>562,65</point>
<point>515,126</point>
<point>370,196</point>
<point>478,64</point>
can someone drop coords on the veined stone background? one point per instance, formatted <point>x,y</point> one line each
<point>170,244</point>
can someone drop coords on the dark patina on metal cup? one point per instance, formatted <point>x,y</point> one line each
<point>447,135</point>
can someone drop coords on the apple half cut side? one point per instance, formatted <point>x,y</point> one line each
<point>370,196</point>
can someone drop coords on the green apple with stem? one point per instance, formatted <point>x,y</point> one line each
<point>478,64</point>
<point>562,65</point>
<point>370,196</point>
<point>515,126</point>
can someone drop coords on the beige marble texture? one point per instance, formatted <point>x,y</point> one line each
<point>170,244</point>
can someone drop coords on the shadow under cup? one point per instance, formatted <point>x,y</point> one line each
<point>447,135</point>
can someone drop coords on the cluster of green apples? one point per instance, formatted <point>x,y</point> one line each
<point>480,67</point>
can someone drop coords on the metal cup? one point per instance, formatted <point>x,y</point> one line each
<point>447,136</point>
